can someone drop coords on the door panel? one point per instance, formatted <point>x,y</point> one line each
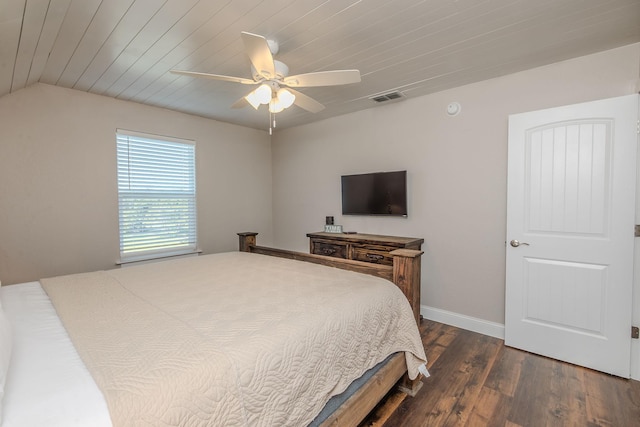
<point>571,201</point>
<point>568,181</point>
<point>567,295</point>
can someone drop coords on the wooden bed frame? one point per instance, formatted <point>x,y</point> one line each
<point>405,273</point>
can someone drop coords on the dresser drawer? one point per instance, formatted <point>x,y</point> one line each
<point>376,256</point>
<point>360,247</point>
<point>330,249</point>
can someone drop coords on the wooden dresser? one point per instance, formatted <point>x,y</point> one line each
<point>360,247</point>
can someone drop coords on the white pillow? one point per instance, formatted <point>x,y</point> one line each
<point>5,353</point>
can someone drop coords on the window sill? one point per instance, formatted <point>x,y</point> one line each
<point>157,257</point>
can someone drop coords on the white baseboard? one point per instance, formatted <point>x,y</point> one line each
<point>496,330</point>
<point>473,324</point>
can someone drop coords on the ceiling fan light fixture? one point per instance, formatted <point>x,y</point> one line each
<point>275,106</point>
<point>262,95</point>
<point>285,96</point>
<point>282,99</point>
<point>252,99</point>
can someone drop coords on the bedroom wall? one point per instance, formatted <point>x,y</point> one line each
<point>58,192</point>
<point>456,167</point>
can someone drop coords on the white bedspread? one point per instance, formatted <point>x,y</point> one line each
<point>48,385</point>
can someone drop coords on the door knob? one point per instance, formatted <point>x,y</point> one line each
<point>516,243</point>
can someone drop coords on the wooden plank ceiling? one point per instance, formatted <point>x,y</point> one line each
<point>125,48</point>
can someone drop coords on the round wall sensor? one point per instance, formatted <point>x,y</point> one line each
<point>453,108</point>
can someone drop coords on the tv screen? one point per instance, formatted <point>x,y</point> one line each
<point>380,193</point>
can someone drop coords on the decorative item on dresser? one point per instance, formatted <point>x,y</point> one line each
<point>372,248</point>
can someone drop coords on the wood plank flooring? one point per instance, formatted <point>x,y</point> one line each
<point>477,381</point>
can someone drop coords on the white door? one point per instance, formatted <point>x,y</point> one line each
<point>570,232</point>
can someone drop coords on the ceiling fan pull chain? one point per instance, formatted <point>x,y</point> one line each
<point>270,127</point>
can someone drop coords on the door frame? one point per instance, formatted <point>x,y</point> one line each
<point>635,310</point>
<point>634,305</point>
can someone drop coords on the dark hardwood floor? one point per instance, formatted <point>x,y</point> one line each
<point>477,381</point>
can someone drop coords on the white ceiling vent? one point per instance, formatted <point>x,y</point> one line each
<point>391,96</point>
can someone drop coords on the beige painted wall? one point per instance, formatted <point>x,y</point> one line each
<point>457,169</point>
<point>58,193</point>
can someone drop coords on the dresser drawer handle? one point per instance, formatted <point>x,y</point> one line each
<point>374,256</point>
<point>328,251</point>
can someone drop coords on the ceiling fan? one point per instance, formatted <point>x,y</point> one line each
<point>272,76</point>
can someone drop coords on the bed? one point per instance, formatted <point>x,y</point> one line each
<point>254,337</point>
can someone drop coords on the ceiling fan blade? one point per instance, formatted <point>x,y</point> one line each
<point>323,78</point>
<point>260,55</point>
<point>240,103</point>
<point>215,77</point>
<point>305,102</point>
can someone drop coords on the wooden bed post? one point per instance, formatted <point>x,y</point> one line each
<point>406,275</point>
<point>247,239</point>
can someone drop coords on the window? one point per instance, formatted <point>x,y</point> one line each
<point>156,196</point>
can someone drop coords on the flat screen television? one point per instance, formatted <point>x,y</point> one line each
<point>379,193</point>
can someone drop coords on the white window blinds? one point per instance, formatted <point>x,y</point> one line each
<point>156,196</point>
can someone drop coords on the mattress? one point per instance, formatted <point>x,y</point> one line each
<point>47,384</point>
